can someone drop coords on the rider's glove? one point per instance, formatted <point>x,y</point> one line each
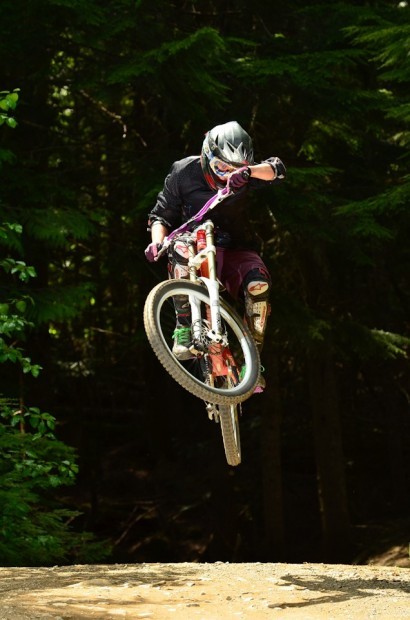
<point>151,251</point>
<point>239,178</point>
<point>278,167</point>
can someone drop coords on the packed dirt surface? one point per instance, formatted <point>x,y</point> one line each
<point>219,591</point>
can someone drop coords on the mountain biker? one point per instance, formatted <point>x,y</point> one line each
<point>227,153</point>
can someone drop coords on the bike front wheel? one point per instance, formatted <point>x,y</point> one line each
<point>196,375</point>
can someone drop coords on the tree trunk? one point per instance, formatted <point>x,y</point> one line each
<point>324,401</point>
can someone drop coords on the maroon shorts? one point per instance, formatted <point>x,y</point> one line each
<point>233,265</point>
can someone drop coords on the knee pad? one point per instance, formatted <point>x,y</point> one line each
<point>256,285</point>
<point>256,291</point>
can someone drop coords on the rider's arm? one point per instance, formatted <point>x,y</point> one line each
<point>158,232</point>
<point>263,171</point>
<point>167,209</point>
<point>271,170</point>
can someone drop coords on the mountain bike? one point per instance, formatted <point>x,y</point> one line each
<point>224,367</point>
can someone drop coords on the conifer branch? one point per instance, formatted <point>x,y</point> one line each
<point>116,117</point>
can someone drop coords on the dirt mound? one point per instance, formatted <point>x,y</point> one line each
<point>187,591</point>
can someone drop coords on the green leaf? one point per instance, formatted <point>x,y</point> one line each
<point>12,99</point>
<point>21,306</point>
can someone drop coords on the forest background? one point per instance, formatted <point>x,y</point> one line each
<point>99,99</point>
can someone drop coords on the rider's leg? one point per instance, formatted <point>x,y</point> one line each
<point>256,288</point>
<point>178,268</point>
<point>244,274</point>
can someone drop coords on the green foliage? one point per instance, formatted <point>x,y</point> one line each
<point>8,102</point>
<point>13,319</point>
<point>6,233</point>
<point>11,353</point>
<point>58,227</point>
<point>18,267</point>
<point>393,201</point>
<point>390,43</point>
<point>60,304</point>
<point>34,529</point>
<point>371,344</point>
<point>13,322</point>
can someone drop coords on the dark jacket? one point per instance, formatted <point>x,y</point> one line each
<point>186,191</point>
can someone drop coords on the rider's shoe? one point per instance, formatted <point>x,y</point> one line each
<point>182,340</point>
<point>260,386</point>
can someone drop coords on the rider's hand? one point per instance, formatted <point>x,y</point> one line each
<point>239,178</point>
<point>151,251</point>
<point>278,167</point>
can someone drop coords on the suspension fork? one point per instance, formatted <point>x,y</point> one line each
<point>212,284</point>
<point>195,260</point>
<point>222,362</point>
<point>193,301</point>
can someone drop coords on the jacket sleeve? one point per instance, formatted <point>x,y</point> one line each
<point>168,207</point>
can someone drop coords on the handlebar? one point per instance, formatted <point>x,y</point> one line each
<point>221,195</point>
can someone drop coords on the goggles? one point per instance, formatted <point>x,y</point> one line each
<point>219,167</point>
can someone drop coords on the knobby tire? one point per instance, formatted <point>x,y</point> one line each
<point>228,418</point>
<point>159,328</point>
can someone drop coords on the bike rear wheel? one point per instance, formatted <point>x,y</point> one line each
<point>195,374</point>
<point>229,420</point>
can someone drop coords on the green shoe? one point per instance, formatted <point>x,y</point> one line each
<point>182,340</point>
